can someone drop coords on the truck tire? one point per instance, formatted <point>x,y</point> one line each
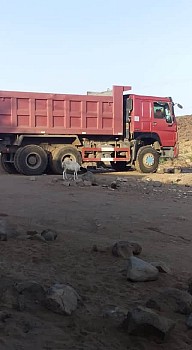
<point>59,154</point>
<point>147,160</point>
<point>119,166</point>
<point>7,167</point>
<point>31,160</point>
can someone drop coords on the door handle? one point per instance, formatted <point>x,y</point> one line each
<point>154,123</point>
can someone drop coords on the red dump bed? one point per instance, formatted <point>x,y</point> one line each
<point>42,113</point>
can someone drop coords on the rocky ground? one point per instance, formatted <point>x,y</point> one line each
<point>104,263</point>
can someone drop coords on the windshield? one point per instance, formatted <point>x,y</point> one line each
<point>162,111</point>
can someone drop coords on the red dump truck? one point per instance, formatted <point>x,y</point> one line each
<point>39,130</point>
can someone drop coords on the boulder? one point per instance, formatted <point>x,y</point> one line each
<point>62,299</point>
<point>171,299</point>
<point>141,271</point>
<point>125,249</point>
<point>145,322</point>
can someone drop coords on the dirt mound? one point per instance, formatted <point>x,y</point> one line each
<point>185,138</point>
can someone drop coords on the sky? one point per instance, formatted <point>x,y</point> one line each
<point>82,45</point>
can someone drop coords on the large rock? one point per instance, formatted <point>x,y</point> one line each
<point>62,299</point>
<point>141,271</point>
<point>142,321</point>
<point>125,249</point>
<point>171,299</point>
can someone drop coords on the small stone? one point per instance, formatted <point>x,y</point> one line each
<point>125,249</point>
<point>95,248</point>
<point>37,237</point>
<point>87,183</point>
<point>160,170</point>
<point>54,180</point>
<point>177,170</point>
<point>32,178</point>
<point>114,313</point>
<point>140,271</point>
<point>49,235</point>
<point>189,321</point>
<point>122,179</point>
<point>79,181</point>
<point>62,299</point>
<point>157,184</point>
<point>161,266</point>
<point>66,183</point>
<point>145,322</point>
<point>114,185</point>
<point>32,233</point>
<point>169,170</point>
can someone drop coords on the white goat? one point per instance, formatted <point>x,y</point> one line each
<point>69,164</point>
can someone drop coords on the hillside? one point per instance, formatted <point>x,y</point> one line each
<point>185,138</point>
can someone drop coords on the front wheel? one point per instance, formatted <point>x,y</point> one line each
<point>147,160</point>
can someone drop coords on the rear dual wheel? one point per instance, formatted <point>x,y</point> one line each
<point>31,160</point>
<point>60,154</point>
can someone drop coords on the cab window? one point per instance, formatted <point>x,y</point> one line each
<point>162,111</point>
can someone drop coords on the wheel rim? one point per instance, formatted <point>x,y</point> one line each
<point>149,160</point>
<point>33,160</point>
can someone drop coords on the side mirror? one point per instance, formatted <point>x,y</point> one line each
<point>178,105</point>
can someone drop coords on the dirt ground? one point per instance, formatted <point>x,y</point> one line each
<point>158,216</point>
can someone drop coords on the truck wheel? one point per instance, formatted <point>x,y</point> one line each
<point>147,160</point>
<point>119,166</point>
<point>6,166</point>
<point>59,154</point>
<point>31,160</point>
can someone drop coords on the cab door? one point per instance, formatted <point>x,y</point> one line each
<point>163,123</point>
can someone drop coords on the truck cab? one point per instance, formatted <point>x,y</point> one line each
<point>151,121</point>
